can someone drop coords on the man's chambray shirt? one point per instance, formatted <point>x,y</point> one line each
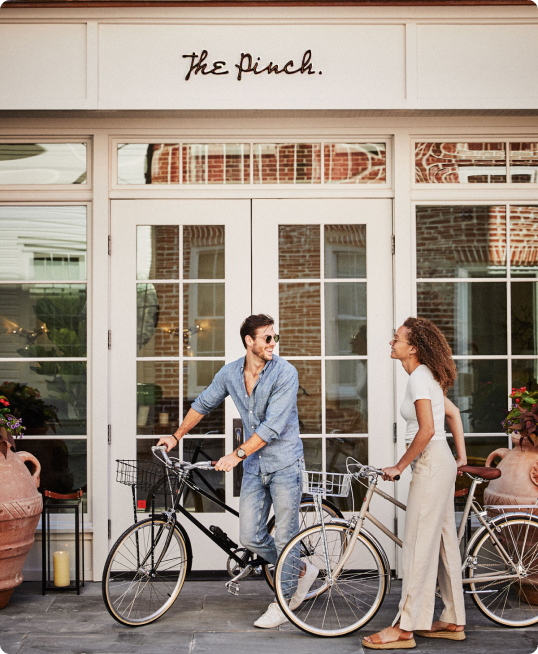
<point>270,411</point>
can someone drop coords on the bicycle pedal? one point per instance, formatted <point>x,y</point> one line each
<point>232,587</point>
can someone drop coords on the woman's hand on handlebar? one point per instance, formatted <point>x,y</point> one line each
<point>390,473</point>
<point>168,441</point>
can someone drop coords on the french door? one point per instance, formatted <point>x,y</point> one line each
<point>185,273</point>
<point>181,286</point>
<point>323,270</point>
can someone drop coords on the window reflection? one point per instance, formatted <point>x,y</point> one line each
<point>300,319</point>
<point>203,320</point>
<point>355,163</point>
<point>157,252</point>
<point>309,396</point>
<point>148,163</point>
<point>461,241</point>
<point>338,449</point>
<point>346,396</point>
<point>203,251</point>
<point>298,251</point>
<point>197,375</point>
<point>157,397</point>
<point>345,251</point>
<point>524,163</point>
<point>471,315</point>
<point>524,318</point>
<point>213,482</point>
<point>287,163</point>
<point>525,373</point>
<point>216,163</point>
<point>345,319</point>
<point>523,241</point>
<point>45,243</point>
<point>43,163</point>
<point>480,393</point>
<point>460,163</point>
<point>158,331</point>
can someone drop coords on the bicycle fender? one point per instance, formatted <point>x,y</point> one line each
<point>494,521</point>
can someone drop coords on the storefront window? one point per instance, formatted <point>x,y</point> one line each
<point>287,163</point>
<point>43,341</point>
<point>460,163</point>
<point>355,163</point>
<point>468,246</point>
<point>43,163</point>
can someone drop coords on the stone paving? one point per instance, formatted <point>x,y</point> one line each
<point>206,618</point>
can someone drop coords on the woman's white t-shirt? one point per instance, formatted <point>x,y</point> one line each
<point>423,386</point>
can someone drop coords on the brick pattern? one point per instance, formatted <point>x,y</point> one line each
<point>439,163</point>
<point>299,251</point>
<point>523,236</point>
<point>300,319</point>
<point>216,163</point>
<point>355,163</point>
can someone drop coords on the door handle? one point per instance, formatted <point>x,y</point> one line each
<point>237,442</point>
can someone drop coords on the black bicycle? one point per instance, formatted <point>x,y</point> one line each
<point>146,568</point>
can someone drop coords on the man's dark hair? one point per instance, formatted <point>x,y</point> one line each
<point>252,323</point>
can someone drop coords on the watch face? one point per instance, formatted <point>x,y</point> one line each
<point>241,453</point>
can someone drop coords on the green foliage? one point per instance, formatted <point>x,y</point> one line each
<point>523,414</point>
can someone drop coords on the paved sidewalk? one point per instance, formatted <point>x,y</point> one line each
<point>206,618</point>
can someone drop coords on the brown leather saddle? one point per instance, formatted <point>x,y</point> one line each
<point>487,474</point>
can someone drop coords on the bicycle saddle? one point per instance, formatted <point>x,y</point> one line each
<point>484,473</point>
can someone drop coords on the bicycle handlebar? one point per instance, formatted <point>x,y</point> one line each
<point>366,470</point>
<point>185,465</point>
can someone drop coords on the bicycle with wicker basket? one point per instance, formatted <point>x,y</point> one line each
<point>499,564</point>
<point>146,568</point>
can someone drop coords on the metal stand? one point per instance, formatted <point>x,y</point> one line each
<point>71,502</point>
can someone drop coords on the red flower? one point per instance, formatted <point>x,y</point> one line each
<point>517,400</point>
<point>4,402</point>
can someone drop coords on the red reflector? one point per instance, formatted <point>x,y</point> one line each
<point>141,504</point>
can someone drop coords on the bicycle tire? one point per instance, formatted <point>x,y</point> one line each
<point>508,601</point>
<point>355,595</point>
<point>137,590</point>
<point>307,518</point>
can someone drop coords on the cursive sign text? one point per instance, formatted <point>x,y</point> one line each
<point>248,65</point>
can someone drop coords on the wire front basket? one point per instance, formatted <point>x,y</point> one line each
<point>143,475</point>
<point>325,483</point>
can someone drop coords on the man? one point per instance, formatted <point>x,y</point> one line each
<point>264,389</point>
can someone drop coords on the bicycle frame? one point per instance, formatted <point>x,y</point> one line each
<point>470,505</point>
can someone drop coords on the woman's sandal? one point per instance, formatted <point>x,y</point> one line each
<point>401,643</point>
<point>449,633</point>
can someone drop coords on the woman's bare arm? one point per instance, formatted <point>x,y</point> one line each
<point>455,425</point>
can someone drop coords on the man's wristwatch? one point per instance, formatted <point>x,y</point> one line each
<point>240,452</point>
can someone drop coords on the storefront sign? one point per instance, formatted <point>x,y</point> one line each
<point>247,64</point>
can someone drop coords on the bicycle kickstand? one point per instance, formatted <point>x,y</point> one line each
<point>232,585</point>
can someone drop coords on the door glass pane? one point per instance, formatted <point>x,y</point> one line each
<point>309,396</point>
<point>148,163</point>
<point>43,243</point>
<point>42,163</point>
<point>216,163</point>
<point>157,252</point>
<point>471,315</point>
<point>197,375</point>
<point>312,448</point>
<point>524,163</point>
<point>203,320</point>
<point>158,331</point>
<point>42,320</point>
<point>355,163</point>
<point>338,449</point>
<point>163,501</point>
<point>461,241</point>
<point>460,163</point>
<point>287,163</point>
<point>345,251</point>
<point>49,396</point>
<point>213,482</point>
<point>203,251</point>
<point>157,397</point>
<point>345,319</point>
<point>298,252</point>
<point>63,464</point>
<point>480,393</point>
<point>300,319</point>
<point>524,241</point>
<point>346,397</point>
<point>525,373</point>
<point>524,317</point>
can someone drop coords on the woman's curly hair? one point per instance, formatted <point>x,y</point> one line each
<point>432,350</point>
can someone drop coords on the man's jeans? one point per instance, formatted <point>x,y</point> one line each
<point>282,489</point>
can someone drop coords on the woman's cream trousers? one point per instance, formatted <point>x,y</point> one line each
<point>430,545</point>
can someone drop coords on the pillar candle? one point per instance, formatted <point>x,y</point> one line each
<point>62,574</point>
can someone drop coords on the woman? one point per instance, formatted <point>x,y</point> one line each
<point>430,546</point>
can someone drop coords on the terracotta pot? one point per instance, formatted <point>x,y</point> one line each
<point>517,485</point>
<point>20,508</point>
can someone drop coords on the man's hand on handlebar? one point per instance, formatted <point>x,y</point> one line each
<point>390,473</point>
<point>168,441</point>
<point>228,462</point>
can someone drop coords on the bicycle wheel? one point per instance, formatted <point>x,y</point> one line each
<point>307,518</point>
<point>510,602</point>
<point>353,597</point>
<point>144,572</point>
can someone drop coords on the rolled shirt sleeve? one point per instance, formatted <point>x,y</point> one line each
<point>213,395</point>
<point>282,404</point>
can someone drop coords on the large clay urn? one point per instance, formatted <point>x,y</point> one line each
<point>20,508</point>
<point>518,484</point>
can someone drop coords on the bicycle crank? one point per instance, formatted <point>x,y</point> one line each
<point>232,585</point>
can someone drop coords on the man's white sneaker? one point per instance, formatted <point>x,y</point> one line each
<point>304,584</point>
<point>273,617</point>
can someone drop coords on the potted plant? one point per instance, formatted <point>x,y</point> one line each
<point>20,502</point>
<point>519,481</point>
<point>28,406</point>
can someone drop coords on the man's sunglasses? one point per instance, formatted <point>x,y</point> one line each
<point>268,338</point>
